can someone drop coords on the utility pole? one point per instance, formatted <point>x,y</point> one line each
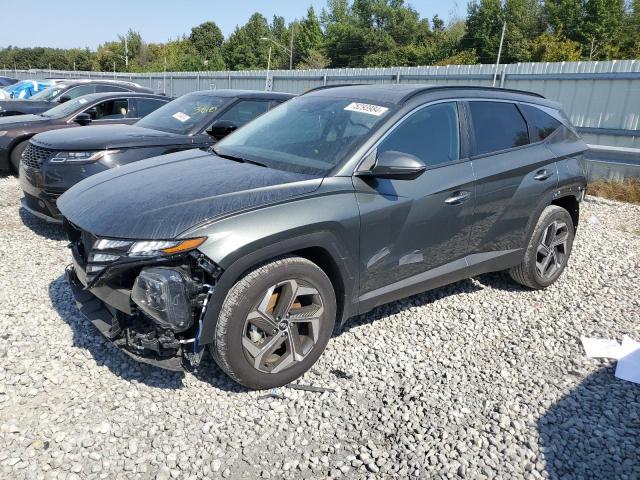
<point>495,73</point>
<point>293,25</point>
<point>126,52</point>
<point>266,82</point>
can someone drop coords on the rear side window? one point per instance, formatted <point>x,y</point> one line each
<point>497,126</point>
<point>432,134</point>
<point>110,88</point>
<point>541,124</point>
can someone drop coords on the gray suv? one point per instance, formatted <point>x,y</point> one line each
<point>339,200</point>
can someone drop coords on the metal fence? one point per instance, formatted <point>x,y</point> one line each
<point>601,98</point>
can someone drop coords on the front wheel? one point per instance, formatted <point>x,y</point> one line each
<point>274,323</point>
<point>548,251</point>
<point>16,155</point>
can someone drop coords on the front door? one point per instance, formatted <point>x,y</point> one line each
<point>414,233</point>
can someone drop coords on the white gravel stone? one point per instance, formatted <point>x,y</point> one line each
<point>480,379</point>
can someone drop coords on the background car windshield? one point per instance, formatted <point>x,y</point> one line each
<point>186,115</point>
<point>48,94</point>
<point>66,108</point>
<point>307,134</point>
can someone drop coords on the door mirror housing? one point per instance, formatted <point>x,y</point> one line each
<point>395,165</point>
<point>221,129</point>
<point>64,98</point>
<point>83,119</point>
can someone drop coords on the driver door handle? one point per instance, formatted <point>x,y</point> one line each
<point>458,197</point>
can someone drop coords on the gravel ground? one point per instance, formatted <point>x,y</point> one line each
<point>480,379</point>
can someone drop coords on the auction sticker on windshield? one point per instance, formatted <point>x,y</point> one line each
<point>376,110</point>
<point>183,117</point>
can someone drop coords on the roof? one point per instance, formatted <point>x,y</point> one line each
<point>398,94</point>
<point>91,97</point>
<point>233,93</point>
<point>73,81</point>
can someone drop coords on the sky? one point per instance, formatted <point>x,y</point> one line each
<point>73,23</point>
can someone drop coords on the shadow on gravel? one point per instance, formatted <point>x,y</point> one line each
<point>40,227</point>
<point>86,336</point>
<point>594,431</point>
<point>497,280</point>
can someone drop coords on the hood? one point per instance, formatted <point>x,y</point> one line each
<point>17,121</point>
<point>25,106</point>
<point>101,137</point>
<point>162,197</point>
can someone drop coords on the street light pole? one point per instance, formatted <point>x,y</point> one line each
<point>495,73</point>
<point>291,47</point>
<point>266,82</point>
<point>289,51</point>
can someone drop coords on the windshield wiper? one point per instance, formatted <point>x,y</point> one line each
<point>237,159</point>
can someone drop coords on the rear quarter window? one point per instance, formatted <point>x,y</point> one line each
<point>541,124</point>
<point>497,126</point>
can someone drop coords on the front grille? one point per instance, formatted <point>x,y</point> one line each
<point>33,156</point>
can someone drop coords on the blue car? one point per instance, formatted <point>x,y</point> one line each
<point>24,89</point>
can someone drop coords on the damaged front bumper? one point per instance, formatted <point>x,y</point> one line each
<point>116,326</point>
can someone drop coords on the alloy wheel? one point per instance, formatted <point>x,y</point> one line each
<point>552,249</point>
<point>283,327</point>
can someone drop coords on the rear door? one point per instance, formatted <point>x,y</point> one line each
<point>414,233</point>
<point>513,173</point>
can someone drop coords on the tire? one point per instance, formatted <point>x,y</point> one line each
<point>250,326</point>
<point>544,261</point>
<point>16,154</point>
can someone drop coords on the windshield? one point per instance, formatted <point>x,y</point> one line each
<point>67,108</point>
<point>307,134</point>
<point>48,94</point>
<point>186,115</point>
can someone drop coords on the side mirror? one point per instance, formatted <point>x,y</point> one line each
<point>397,166</point>
<point>221,129</point>
<point>83,119</point>
<point>64,98</point>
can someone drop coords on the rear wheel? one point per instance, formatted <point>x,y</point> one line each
<point>16,155</point>
<point>548,251</point>
<point>274,323</point>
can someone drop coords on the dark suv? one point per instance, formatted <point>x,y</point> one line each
<point>64,91</point>
<point>57,160</point>
<point>335,202</point>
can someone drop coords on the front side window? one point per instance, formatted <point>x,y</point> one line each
<point>497,126</point>
<point>147,105</point>
<point>541,124</point>
<point>115,109</point>
<point>244,111</point>
<point>309,134</point>
<point>49,94</point>
<point>432,134</point>
<point>186,115</point>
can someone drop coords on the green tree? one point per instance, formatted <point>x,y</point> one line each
<point>553,47</point>
<point>244,49</point>
<point>308,40</point>
<point>207,39</point>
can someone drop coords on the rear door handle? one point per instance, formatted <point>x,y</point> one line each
<point>458,197</point>
<point>542,174</point>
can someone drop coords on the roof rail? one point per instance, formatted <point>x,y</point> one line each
<point>466,87</point>
<point>326,87</point>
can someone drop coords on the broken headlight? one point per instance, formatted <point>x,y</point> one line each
<point>164,294</point>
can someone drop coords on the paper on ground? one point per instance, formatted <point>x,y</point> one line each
<point>599,347</point>
<point>628,367</point>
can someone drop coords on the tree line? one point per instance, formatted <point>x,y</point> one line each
<point>371,33</point>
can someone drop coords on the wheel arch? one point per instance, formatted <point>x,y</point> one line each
<point>12,146</point>
<point>322,248</point>
<point>572,205</point>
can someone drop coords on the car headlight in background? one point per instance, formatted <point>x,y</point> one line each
<point>70,157</point>
<point>164,294</point>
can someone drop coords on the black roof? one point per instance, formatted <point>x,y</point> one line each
<point>91,97</point>
<point>233,93</point>
<point>398,94</point>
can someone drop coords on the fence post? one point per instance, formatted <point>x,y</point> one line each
<point>198,77</point>
<point>398,77</point>
<point>229,78</point>
<point>324,80</point>
<point>503,75</point>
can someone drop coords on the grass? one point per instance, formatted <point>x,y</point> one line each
<point>627,190</point>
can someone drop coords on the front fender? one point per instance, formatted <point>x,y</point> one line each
<point>326,222</point>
